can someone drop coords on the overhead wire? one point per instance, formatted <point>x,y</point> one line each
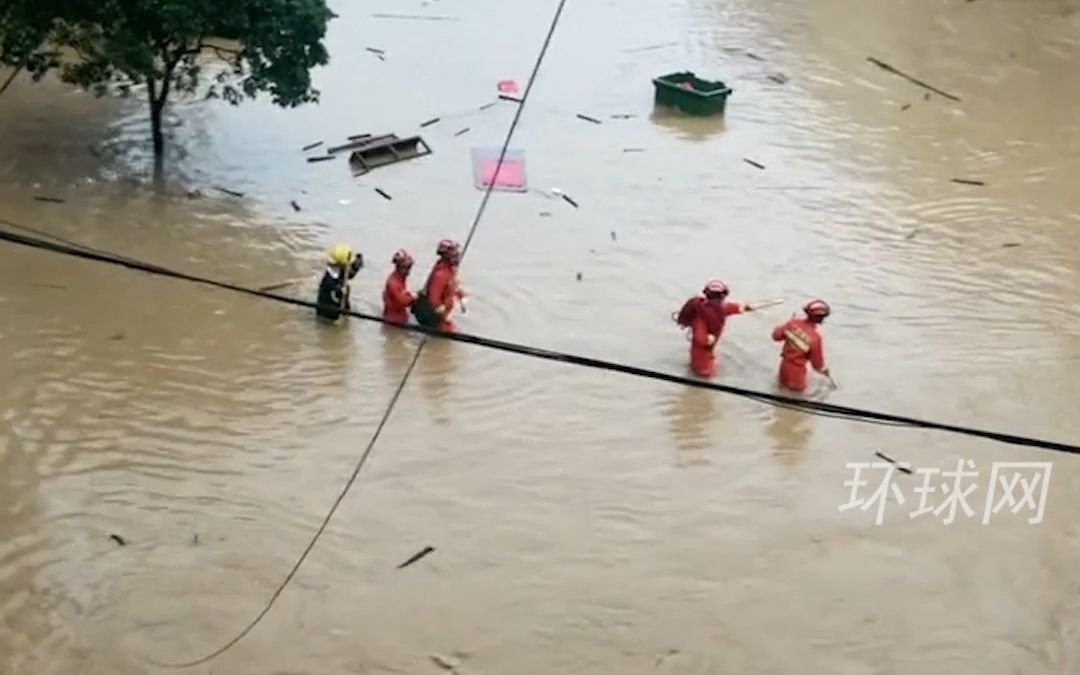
<point>808,406</point>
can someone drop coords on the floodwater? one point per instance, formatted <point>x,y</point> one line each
<point>583,521</point>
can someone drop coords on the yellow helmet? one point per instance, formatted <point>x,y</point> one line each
<point>341,255</point>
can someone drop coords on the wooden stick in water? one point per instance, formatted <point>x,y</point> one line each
<point>280,284</point>
<point>762,304</point>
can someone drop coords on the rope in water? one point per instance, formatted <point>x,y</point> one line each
<point>803,405</point>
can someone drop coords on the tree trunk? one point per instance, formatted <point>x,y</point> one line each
<point>157,107</point>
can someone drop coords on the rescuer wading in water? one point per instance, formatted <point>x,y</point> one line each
<point>435,303</point>
<point>802,344</point>
<point>333,298</point>
<point>396,296</point>
<point>705,316</point>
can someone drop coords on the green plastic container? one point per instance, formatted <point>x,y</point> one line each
<point>690,94</point>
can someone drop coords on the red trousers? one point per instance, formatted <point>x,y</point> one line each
<point>702,361</point>
<point>793,376</point>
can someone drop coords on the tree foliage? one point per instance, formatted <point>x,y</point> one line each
<point>24,28</point>
<point>237,48</point>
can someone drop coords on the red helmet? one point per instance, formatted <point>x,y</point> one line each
<point>402,259</point>
<point>715,289</point>
<point>448,249</point>
<point>817,309</point>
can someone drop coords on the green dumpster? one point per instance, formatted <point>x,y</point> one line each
<point>690,94</point>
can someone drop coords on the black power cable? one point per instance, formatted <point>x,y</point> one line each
<point>803,405</point>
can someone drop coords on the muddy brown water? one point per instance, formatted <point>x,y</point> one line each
<point>583,522</point>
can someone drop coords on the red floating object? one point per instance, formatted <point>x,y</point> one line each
<point>508,87</point>
<point>511,177</point>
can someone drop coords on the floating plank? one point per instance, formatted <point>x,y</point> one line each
<point>357,143</point>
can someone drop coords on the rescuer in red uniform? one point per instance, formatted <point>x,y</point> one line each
<point>802,344</point>
<point>705,316</point>
<point>442,291</point>
<point>396,296</point>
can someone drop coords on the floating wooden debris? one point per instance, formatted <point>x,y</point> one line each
<point>1010,244</point>
<point>51,200</point>
<point>296,207</point>
<point>231,193</point>
<point>387,151</point>
<point>487,105</point>
<point>569,201</point>
<point>373,50</point>
<point>588,119</point>
<point>779,78</point>
<point>754,56</point>
<point>892,461</point>
<point>968,181</point>
<point>753,163</point>
<point>465,130</point>
<point>507,97</point>
<point>360,142</point>
<point>416,556</point>
<point>311,146</point>
<point>623,116</point>
<point>279,285</point>
<point>415,17</point>
<point>633,149</point>
<point>320,158</point>
<point>446,664</point>
<point>580,276</point>
<point>895,71</point>
<point>357,137</point>
<point>431,121</point>
<point>613,235</point>
<point>649,48</point>
<point>383,194</point>
<point>904,107</point>
<point>118,539</point>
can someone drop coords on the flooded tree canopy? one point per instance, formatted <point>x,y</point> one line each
<point>111,46</point>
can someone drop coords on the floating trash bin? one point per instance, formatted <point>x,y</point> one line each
<point>691,94</point>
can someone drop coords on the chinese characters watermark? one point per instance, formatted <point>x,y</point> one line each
<point>1018,485</point>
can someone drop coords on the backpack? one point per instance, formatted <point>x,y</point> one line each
<point>422,308</point>
<point>685,316</point>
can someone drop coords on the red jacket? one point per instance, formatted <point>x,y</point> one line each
<point>710,320</point>
<point>802,343</point>
<point>397,299</point>
<point>443,288</point>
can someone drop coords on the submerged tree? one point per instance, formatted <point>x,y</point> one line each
<point>112,45</point>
